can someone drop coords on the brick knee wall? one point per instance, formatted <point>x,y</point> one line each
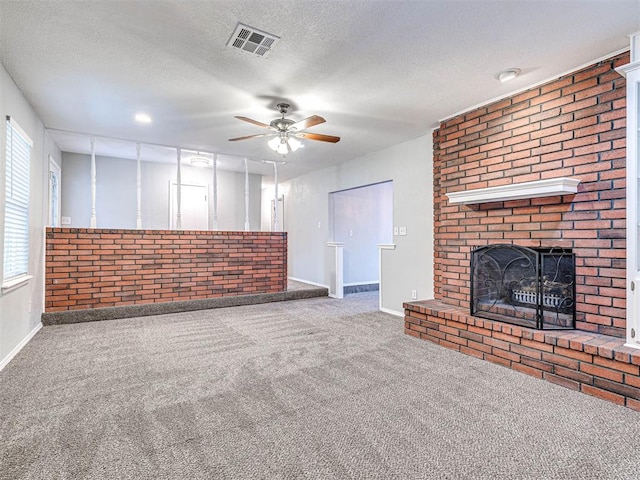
<point>592,363</point>
<point>90,268</point>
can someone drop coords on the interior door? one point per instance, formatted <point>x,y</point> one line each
<point>194,207</point>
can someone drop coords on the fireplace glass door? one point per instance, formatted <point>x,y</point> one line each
<point>529,287</point>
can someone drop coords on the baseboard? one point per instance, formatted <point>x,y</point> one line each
<point>5,361</point>
<point>391,312</point>
<point>307,281</point>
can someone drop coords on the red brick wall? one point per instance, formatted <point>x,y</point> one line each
<point>571,127</point>
<point>90,268</point>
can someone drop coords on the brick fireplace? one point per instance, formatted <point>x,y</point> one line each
<point>571,127</point>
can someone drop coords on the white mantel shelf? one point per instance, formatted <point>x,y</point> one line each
<point>517,191</point>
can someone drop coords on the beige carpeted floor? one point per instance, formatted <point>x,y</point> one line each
<point>307,389</point>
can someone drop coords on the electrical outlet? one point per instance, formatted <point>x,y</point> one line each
<point>414,294</point>
<point>402,231</point>
<point>319,225</point>
<point>351,233</point>
<point>65,220</point>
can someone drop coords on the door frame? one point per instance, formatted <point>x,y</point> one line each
<point>54,172</point>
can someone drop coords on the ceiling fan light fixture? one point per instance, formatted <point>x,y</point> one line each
<point>284,144</point>
<point>284,131</point>
<point>274,143</point>
<point>283,148</point>
<point>294,144</point>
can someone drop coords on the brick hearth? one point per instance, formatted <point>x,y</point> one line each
<point>592,363</point>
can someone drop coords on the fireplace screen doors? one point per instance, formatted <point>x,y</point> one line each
<point>528,287</point>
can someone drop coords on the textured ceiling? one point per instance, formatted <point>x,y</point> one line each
<point>380,72</point>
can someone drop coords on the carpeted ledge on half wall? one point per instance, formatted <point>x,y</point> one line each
<point>129,311</point>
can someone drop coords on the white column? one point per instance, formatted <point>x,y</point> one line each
<point>635,47</point>
<point>215,191</point>
<point>381,248</point>
<point>138,187</point>
<point>276,227</point>
<point>93,183</point>
<point>178,193</point>
<point>247,226</point>
<point>336,283</point>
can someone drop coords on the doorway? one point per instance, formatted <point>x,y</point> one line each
<point>361,218</point>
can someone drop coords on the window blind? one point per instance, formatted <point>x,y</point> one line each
<point>16,213</point>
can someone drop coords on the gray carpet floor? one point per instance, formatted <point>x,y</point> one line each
<point>307,389</point>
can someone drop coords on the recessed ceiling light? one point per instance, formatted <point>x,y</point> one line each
<point>508,74</point>
<point>142,118</point>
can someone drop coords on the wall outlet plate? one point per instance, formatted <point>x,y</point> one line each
<point>403,231</point>
<point>65,220</point>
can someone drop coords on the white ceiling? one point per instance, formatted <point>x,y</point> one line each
<point>380,72</point>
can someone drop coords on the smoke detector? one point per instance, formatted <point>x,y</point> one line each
<point>507,75</point>
<point>252,41</point>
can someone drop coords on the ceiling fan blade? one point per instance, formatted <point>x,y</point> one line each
<point>251,136</point>
<point>255,122</point>
<point>318,136</point>
<point>307,122</point>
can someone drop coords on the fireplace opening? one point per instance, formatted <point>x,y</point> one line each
<point>524,286</point>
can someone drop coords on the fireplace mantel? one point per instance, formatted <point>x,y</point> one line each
<point>516,191</point>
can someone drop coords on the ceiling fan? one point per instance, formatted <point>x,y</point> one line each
<point>285,131</point>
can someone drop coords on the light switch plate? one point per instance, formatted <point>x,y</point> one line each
<point>403,231</point>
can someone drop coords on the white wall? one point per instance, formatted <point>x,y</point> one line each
<point>17,323</point>
<point>408,267</point>
<point>116,197</point>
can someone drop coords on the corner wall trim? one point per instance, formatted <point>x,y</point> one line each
<point>5,361</point>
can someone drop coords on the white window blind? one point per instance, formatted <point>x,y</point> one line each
<point>16,213</point>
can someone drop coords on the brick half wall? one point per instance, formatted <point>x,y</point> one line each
<point>92,268</point>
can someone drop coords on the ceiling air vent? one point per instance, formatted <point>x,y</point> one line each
<point>252,41</point>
